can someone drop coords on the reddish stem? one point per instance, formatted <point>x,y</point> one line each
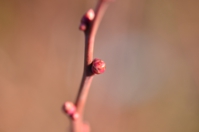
<point>77,124</point>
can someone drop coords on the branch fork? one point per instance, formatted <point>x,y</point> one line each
<point>89,25</point>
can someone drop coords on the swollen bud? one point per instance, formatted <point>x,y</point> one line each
<point>98,66</point>
<point>70,109</point>
<point>90,14</point>
<point>86,19</point>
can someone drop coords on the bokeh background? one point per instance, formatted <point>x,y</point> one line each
<point>151,48</point>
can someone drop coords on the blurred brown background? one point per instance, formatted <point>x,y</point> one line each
<point>151,50</point>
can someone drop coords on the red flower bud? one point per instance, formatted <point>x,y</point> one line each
<point>69,108</point>
<point>90,14</point>
<point>86,19</point>
<point>98,66</point>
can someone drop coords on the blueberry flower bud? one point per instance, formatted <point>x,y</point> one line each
<point>98,66</point>
<point>69,108</point>
<point>86,19</point>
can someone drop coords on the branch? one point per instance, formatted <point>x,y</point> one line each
<point>89,24</point>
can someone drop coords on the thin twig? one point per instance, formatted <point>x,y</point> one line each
<point>88,58</point>
<point>90,32</point>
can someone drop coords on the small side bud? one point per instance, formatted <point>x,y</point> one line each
<point>98,66</point>
<point>70,109</point>
<point>86,19</point>
<point>75,116</point>
<point>90,14</point>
